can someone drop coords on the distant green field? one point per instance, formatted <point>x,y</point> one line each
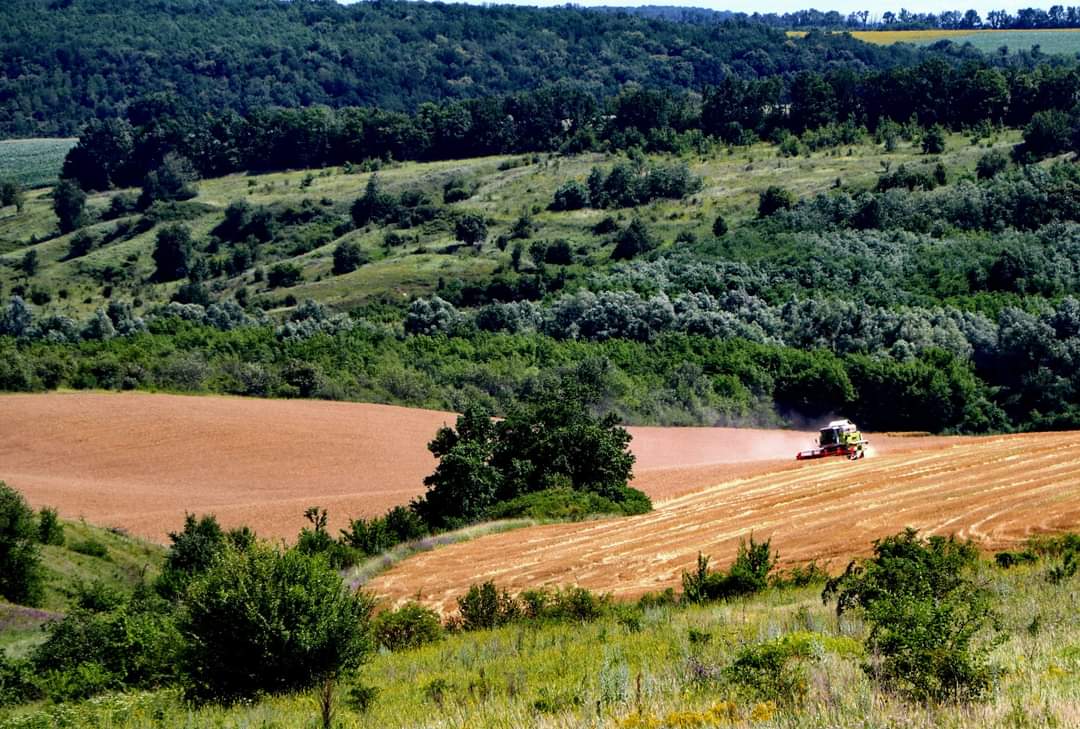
<point>1049,41</point>
<point>33,162</point>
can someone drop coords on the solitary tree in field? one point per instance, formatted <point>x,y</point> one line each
<point>471,228</point>
<point>773,199</point>
<point>172,253</point>
<point>348,257</point>
<point>69,202</point>
<point>933,141</point>
<point>11,193</point>
<point>29,263</point>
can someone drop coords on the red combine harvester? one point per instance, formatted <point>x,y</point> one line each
<point>838,438</point>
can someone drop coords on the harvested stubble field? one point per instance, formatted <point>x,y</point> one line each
<point>997,490</point>
<point>140,461</point>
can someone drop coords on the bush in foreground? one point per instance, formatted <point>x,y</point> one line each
<point>410,626</point>
<point>20,561</point>
<point>927,616</point>
<point>265,621</point>
<point>133,645</point>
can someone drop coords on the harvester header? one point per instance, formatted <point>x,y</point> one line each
<point>838,438</point>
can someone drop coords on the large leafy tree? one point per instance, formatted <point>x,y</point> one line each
<point>552,440</point>
<point>465,483</point>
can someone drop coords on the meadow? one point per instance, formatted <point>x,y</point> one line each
<point>33,162</point>
<point>505,189</point>
<point>656,668</point>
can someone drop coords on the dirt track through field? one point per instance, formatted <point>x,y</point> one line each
<point>996,490</point>
<point>140,461</point>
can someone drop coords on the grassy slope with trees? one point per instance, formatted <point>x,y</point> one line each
<point>917,278</point>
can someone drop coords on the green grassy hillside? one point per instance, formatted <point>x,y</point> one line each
<point>504,189</point>
<point>90,556</point>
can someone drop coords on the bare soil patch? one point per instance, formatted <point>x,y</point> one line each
<point>140,461</point>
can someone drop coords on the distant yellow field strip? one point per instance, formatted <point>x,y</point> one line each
<point>888,37</point>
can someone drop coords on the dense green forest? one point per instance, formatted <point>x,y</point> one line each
<point>66,63</point>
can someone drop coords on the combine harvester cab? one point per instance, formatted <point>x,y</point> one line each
<point>838,438</point>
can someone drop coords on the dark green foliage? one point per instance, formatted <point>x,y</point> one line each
<point>50,528</point>
<point>466,482</point>
<point>457,189</point>
<point>373,536</point>
<point>132,644</point>
<point>29,263</point>
<point>566,604</point>
<point>321,52</point>
<point>284,275</point>
<point>316,540</point>
<point>17,685</point>
<point>1065,569</point>
<point>664,598</point>
<point>69,203</point>
<point>552,441</point>
<point>374,206</point>
<point>720,227</point>
<point>81,243</point>
<point>348,257</point>
<point>409,626</point>
<point>1006,560</point>
<point>928,616</point>
<point>173,252</point>
<point>991,164</point>
<point>772,671</point>
<point>193,551</point>
<point>565,504</point>
<point>20,560</point>
<point>11,193</point>
<point>471,228</point>
<point>749,574</point>
<point>98,596</point>
<point>907,178</point>
<point>1048,133</point>
<point>173,179</point>
<point>557,253</point>
<point>361,697</point>
<point>571,195</point>
<point>799,576</point>
<point>933,141</point>
<point>91,548</point>
<point>286,613</point>
<point>633,240</point>
<point>629,184</point>
<point>484,606</point>
<point>774,199</point>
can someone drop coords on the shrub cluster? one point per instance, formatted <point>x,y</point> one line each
<point>749,574</point>
<point>929,616</point>
<point>626,185</point>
